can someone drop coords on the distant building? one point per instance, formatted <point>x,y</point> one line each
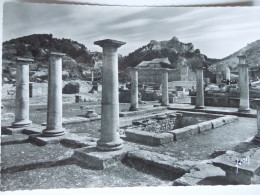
<point>148,71</point>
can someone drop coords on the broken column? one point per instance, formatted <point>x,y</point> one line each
<point>22,93</point>
<point>134,90</point>
<point>165,95</point>
<point>243,84</point>
<point>109,139</point>
<point>54,107</point>
<point>199,88</point>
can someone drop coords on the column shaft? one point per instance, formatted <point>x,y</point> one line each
<point>200,89</point>
<point>258,124</point>
<point>54,107</point>
<point>165,95</point>
<point>22,94</point>
<point>243,88</point>
<point>134,90</point>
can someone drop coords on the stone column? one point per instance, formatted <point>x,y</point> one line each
<point>1,41</point>
<point>109,139</point>
<point>199,88</point>
<point>257,137</point>
<point>54,107</point>
<point>243,85</point>
<point>22,93</point>
<point>134,90</point>
<point>92,75</point>
<point>227,73</point>
<point>165,94</point>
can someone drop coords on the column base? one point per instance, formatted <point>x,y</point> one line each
<point>109,146</point>
<point>257,139</point>
<point>53,132</point>
<point>247,110</point>
<point>165,104</point>
<point>22,123</point>
<point>133,109</point>
<point>199,107</point>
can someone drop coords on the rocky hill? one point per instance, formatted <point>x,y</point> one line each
<point>178,53</point>
<point>252,51</point>
<point>76,63</point>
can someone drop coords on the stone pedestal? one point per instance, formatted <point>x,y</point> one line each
<point>134,90</point>
<point>109,139</point>
<point>54,107</point>
<point>199,88</point>
<point>165,95</point>
<point>22,93</point>
<point>243,85</point>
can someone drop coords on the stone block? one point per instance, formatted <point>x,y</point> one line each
<point>91,157</point>
<point>143,137</point>
<point>230,119</point>
<point>184,132</point>
<point>162,138</point>
<point>204,126</point>
<point>11,130</point>
<point>217,122</point>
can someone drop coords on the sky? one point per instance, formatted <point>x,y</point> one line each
<point>216,31</point>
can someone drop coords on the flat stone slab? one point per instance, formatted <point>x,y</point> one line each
<point>184,132</point>
<point>9,130</point>
<point>198,174</point>
<point>33,129</point>
<point>240,172</point>
<point>68,138</point>
<point>76,141</point>
<point>91,157</point>
<point>154,160</point>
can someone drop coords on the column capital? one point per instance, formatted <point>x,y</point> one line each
<point>199,68</point>
<point>242,59</point>
<point>243,65</point>
<point>57,54</point>
<point>24,60</point>
<point>109,43</point>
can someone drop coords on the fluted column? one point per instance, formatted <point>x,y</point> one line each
<point>165,94</point>
<point>109,138</point>
<point>243,84</point>
<point>22,93</point>
<point>134,90</point>
<point>199,88</point>
<point>54,107</point>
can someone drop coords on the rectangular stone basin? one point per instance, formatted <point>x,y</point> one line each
<point>164,128</point>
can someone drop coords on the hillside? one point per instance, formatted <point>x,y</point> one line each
<point>178,53</point>
<point>76,63</point>
<point>252,51</point>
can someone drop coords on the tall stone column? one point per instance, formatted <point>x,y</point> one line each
<point>54,107</point>
<point>199,88</point>
<point>22,93</point>
<point>134,90</point>
<point>109,139</point>
<point>1,27</point>
<point>165,94</point>
<point>243,84</point>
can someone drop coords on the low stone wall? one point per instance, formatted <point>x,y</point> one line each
<point>220,102</point>
<point>184,84</point>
